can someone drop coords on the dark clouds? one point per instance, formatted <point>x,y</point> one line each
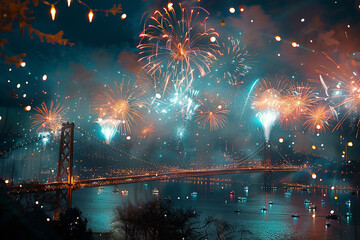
<point>254,24</point>
<point>128,60</point>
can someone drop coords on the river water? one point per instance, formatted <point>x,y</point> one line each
<point>214,199</point>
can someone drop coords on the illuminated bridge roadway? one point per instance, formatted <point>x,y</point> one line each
<point>146,178</point>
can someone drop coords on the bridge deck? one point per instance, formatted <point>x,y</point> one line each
<point>143,178</point>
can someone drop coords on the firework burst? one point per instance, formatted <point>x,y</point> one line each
<point>176,41</point>
<point>109,127</point>
<point>232,62</point>
<point>269,102</point>
<point>298,99</point>
<point>301,97</point>
<point>124,103</point>
<point>148,129</point>
<point>287,116</point>
<point>49,119</point>
<point>212,111</point>
<point>346,90</point>
<point>318,118</point>
<point>268,94</point>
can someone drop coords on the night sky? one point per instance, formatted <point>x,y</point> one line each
<point>107,48</point>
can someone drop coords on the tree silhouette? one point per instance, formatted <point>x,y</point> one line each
<point>72,225</point>
<point>157,220</point>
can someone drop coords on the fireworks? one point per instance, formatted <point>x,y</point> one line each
<point>295,104</point>
<point>109,127</point>
<point>148,129</point>
<point>177,42</point>
<point>124,103</point>
<point>302,97</point>
<point>213,111</point>
<point>269,102</point>
<point>318,117</point>
<point>232,63</point>
<point>347,90</point>
<point>180,105</point>
<point>268,94</point>
<point>49,119</point>
<point>288,118</point>
<point>267,119</point>
<point>185,103</point>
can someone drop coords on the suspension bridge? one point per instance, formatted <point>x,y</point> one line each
<point>96,163</point>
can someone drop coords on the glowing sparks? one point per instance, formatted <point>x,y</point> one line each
<point>232,63</point>
<point>53,12</point>
<point>302,97</point>
<point>346,96</point>
<point>268,92</point>
<point>109,128</point>
<point>268,119</point>
<point>148,130</point>
<point>318,118</point>
<point>125,103</point>
<point>49,119</point>
<point>294,104</point>
<point>176,42</point>
<point>213,111</point>
<point>269,102</point>
<point>91,16</point>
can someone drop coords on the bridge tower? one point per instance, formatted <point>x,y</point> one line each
<point>66,154</point>
<point>268,184</point>
<point>65,170</point>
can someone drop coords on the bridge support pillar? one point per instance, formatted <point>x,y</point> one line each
<point>65,170</point>
<point>63,199</point>
<point>268,183</point>
<point>65,162</point>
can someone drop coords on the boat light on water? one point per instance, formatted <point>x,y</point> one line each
<point>312,206</point>
<point>155,191</point>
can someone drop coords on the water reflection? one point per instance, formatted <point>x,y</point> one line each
<point>243,207</point>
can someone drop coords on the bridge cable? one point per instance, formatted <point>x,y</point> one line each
<point>22,144</point>
<point>256,151</point>
<point>283,158</point>
<point>119,150</point>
